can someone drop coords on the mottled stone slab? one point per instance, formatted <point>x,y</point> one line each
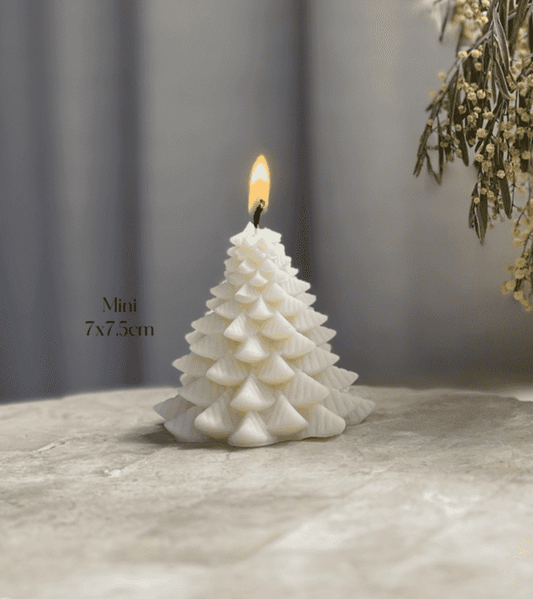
<point>431,496</point>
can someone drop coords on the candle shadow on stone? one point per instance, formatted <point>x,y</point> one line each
<point>154,435</point>
<point>158,435</point>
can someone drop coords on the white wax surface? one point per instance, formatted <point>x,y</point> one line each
<point>260,369</point>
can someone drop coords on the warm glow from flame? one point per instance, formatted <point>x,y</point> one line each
<point>259,184</point>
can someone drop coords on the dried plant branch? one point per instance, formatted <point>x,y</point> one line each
<point>484,111</point>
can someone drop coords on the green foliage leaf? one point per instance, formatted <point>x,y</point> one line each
<point>452,98</point>
<point>501,39</point>
<point>473,222</point>
<point>492,115</point>
<point>441,155</point>
<point>447,18</point>
<point>462,146</point>
<point>506,197</point>
<point>430,169</point>
<point>518,21</point>
<point>483,215</point>
<point>504,87</point>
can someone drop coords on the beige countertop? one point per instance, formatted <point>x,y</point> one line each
<point>432,495</point>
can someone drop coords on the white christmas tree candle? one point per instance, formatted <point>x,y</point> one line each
<point>260,368</point>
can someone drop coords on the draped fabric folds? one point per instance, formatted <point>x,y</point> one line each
<point>111,112</point>
<point>70,192</point>
<point>128,129</point>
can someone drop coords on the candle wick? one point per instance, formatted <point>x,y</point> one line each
<point>257,213</point>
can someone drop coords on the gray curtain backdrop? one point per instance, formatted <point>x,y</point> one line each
<point>127,132</point>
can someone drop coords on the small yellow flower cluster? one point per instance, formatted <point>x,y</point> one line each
<point>472,15</point>
<point>522,269</point>
<point>484,108</point>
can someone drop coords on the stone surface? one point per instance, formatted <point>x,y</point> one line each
<point>431,496</point>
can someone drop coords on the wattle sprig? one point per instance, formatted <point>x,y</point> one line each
<point>482,114</point>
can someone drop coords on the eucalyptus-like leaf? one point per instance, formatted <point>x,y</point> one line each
<point>450,6</point>
<point>452,97</point>
<point>430,169</point>
<point>504,87</point>
<point>487,55</point>
<point>441,153</point>
<point>462,146</point>
<point>506,197</point>
<point>497,123</point>
<point>493,78</point>
<point>503,6</point>
<point>422,150</point>
<point>483,215</point>
<point>520,15</point>
<point>501,40</point>
<point>472,218</point>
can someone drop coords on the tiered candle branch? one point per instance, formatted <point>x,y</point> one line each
<point>484,111</point>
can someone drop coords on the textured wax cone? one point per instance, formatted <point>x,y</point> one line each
<point>275,294</point>
<point>278,327</point>
<point>257,256</point>
<point>308,319</point>
<point>229,309</point>
<point>246,294</point>
<point>275,371</point>
<point>213,303</point>
<point>252,395</point>
<point>252,350</point>
<point>193,337</point>
<point>236,279</point>
<point>260,310</point>
<point>240,329</point>
<point>320,335</point>
<point>202,392</point>
<point>295,286</point>
<point>260,368</point>
<point>297,345</point>
<point>268,268</point>
<point>192,364</point>
<point>251,432</point>
<point>187,379</point>
<point>303,390</point>
<point>246,268</point>
<point>342,403</point>
<point>182,427</point>
<point>322,423</point>
<point>279,276</point>
<point>239,252</point>
<point>336,378</point>
<point>223,291</point>
<point>285,419</point>
<point>227,371</point>
<point>307,298</point>
<point>316,361</point>
<point>213,346</point>
<point>291,306</point>
<point>258,280</point>
<point>363,409</point>
<point>170,408</point>
<point>231,264</point>
<point>216,421</point>
<point>210,323</point>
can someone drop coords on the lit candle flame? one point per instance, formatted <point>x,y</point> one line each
<point>259,185</point>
